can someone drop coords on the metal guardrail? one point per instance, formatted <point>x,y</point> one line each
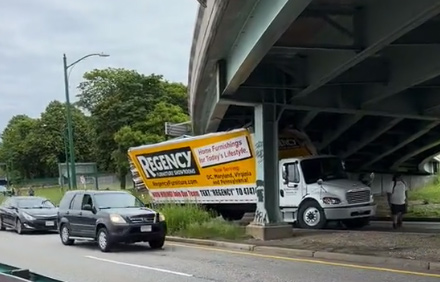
<point>14,274</point>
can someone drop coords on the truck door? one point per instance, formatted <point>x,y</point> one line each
<point>291,188</point>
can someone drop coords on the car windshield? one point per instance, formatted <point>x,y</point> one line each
<point>322,168</point>
<point>117,200</point>
<point>34,203</point>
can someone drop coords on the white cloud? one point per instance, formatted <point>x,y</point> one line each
<point>150,36</point>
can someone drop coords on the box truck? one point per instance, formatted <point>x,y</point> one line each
<point>218,170</point>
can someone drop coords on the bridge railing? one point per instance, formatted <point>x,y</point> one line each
<point>10,273</point>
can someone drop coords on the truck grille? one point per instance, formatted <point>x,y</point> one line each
<point>356,197</point>
<point>149,218</point>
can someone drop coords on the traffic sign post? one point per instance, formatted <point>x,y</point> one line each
<point>177,129</point>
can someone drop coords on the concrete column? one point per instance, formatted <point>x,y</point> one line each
<point>266,147</point>
<point>267,223</point>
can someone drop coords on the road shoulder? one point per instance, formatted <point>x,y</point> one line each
<point>328,257</point>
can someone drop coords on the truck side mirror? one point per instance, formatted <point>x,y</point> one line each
<point>372,176</point>
<point>319,181</point>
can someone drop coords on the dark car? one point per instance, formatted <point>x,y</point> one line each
<point>109,217</point>
<point>25,213</point>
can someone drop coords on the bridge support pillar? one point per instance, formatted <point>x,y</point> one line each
<point>267,223</point>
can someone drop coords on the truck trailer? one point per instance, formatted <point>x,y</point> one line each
<point>218,171</point>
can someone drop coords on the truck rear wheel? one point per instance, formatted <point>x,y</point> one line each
<point>311,216</point>
<point>232,215</point>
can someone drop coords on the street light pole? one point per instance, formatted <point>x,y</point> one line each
<point>70,141</point>
<point>69,116</point>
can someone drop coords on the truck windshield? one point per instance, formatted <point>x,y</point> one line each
<point>322,168</point>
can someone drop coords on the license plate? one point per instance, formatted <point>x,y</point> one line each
<point>146,228</point>
<point>50,223</point>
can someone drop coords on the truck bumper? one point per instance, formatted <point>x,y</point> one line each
<point>339,213</point>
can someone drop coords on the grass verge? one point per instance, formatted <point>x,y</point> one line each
<point>192,221</point>
<point>423,202</point>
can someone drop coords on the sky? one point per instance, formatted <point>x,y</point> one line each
<point>150,36</point>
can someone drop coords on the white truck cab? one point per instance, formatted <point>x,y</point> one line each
<point>316,189</point>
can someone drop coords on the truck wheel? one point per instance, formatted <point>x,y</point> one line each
<point>232,215</point>
<point>311,216</point>
<point>356,223</point>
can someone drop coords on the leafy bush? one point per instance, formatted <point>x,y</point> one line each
<point>179,217</point>
<point>194,221</point>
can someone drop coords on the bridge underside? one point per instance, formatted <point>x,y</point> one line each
<point>362,78</point>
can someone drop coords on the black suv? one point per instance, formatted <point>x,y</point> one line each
<point>109,217</point>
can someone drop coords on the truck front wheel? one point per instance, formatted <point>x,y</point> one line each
<point>311,216</point>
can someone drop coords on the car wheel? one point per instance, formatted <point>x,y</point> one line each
<point>104,241</point>
<point>2,226</point>
<point>65,235</point>
<point>157,244</point>
<point>18,227</point>
<point>311,216</point>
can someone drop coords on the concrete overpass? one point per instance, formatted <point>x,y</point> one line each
<point>360,77</point>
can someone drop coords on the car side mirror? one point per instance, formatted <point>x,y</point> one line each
<point>319,181</point>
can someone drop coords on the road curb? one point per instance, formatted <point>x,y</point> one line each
<point>341,257</point>
<point>284,251</point>
<point>212,243</point>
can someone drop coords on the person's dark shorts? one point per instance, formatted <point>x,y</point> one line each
<point>396,209</point>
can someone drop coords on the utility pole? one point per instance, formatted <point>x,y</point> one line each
<point>70,139</point>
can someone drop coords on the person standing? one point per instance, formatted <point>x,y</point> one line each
<point>397,196</point>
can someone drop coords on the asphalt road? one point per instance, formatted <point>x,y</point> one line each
<point>83,262</point>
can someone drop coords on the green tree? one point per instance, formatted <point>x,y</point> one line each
<point>14,150</point>
<point>49,138</point>
<point>33,147</point>
<point>117,98</point>
<point>162,112</point>
<point>125,138</point>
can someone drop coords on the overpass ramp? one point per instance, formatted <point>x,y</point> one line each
<point>360,77</point>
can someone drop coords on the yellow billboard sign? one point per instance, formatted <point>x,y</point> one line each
<point>216,167</point>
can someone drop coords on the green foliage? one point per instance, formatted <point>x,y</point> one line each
<point>213,229</point>
<point>129,109</point>
<point>193,221</point>
<point>125,109</point>
<point>429,194</point>
<point>179,217</point>
<point>32,148</point>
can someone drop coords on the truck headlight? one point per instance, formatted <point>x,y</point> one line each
<point>116,218</point>
<point>161,217</point>
<point>331,201</point>
<point>28,216</point>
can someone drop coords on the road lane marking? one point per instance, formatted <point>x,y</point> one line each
<point>363,267</point>
<point>141,266</point>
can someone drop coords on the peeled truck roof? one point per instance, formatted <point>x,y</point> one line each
<point>185,140</point>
